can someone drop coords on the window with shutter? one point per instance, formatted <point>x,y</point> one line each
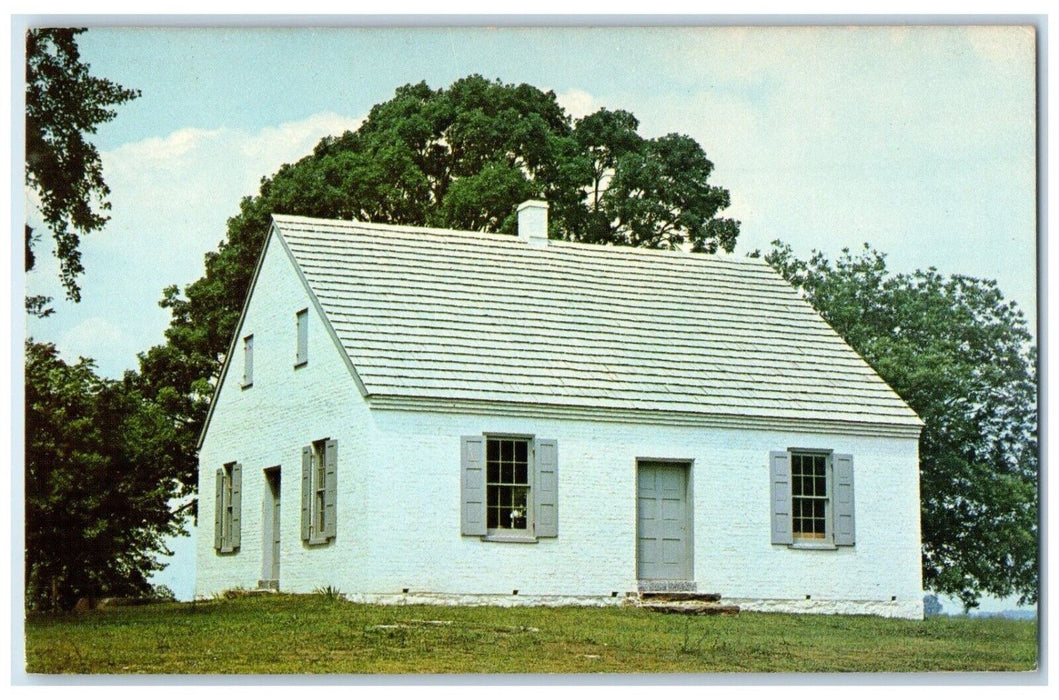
<point>812,498</point>
<point>509,487</point>
<point>227,517</point>
<point>320,491</point>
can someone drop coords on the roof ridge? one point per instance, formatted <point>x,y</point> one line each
<point>505,239</point>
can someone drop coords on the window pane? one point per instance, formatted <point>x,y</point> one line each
<point>492,471</point>
<point>506,450</point>
<point>492,450</point>
<point>520,451</point>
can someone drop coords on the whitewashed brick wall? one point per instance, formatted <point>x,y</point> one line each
<point>399,494</point>
<point>267,425</point>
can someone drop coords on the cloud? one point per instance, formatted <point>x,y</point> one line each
<point>103,337</point>
<point>170,199</point>
<point>577,102</point>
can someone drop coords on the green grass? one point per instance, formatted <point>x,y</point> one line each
<point>322,634</point>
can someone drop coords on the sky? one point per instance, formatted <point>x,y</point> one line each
<point>920,141</point>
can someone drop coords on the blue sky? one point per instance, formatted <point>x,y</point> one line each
<point>919,141</point>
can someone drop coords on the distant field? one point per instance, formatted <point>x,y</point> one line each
<point>318,634</point>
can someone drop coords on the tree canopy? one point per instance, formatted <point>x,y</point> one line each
<point>963,359</point>
<point>64,102</point>
<point>99,483</point>
<point>462,157</point>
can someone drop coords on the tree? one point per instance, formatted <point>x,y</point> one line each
<point>64,102</point>
<point>963,359</point>
<point>99,483</point>
<point>462,157</point>
<point>932,607</point>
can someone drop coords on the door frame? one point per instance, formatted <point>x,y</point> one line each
<point>689,512</point>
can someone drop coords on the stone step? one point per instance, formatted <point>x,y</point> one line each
<point>675,596</point>
<point>693,607</point>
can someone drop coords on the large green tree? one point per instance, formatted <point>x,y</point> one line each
<point>964,360</point>
<point>99,483</point>
<point>462,157</point>
<point>65,103</point>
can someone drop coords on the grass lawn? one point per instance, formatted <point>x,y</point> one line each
<point>317,634</point>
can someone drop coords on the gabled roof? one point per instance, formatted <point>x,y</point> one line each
<point>443,315</point>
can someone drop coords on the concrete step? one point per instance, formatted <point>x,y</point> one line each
<point>675,596</point>
<point>691,607</point>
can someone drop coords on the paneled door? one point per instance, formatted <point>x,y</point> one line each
<point>663,522</point>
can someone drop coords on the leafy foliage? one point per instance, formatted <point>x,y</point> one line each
<point>964,360</point>
<point>64,102</point>
<point>98,481</point>
<point>462,157</point>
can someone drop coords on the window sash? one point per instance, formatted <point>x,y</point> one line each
<point>508,483</point>
<point>811,485</point>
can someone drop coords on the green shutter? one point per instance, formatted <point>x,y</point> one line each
<point>237,504</point>
<point>843,500</point>
<point>218,513</point>
<point>307,465</point>
<point>472,485</point>
<point>780,480</point>
<point>330,488</point>
<point>546,488</point>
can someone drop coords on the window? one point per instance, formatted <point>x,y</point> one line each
<point>509,487</point>
<point>228,505</point>
<point>810,501</point>
<point>507,484</point>
<point>248,361</point>
<point>302,353</point>
<point>319,491</point>
<point>812,498</point>
<point>319,485</point>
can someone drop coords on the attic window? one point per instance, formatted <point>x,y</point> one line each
<point>302,354</point>
<point>248,361</point>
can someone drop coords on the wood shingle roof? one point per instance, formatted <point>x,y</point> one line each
<point>456,315</point>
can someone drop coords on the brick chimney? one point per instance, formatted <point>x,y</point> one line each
<point>533,222</point>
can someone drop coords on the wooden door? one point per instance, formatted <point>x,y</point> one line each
<point>663,522</point>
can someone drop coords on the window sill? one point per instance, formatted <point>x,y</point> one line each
<point>299,365</point>
<point>517,539</point>
<point>813,545</point>
<point>246,385</point>
<point>316,541</point>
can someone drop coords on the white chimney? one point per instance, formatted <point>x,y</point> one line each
<point>533,222</point>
